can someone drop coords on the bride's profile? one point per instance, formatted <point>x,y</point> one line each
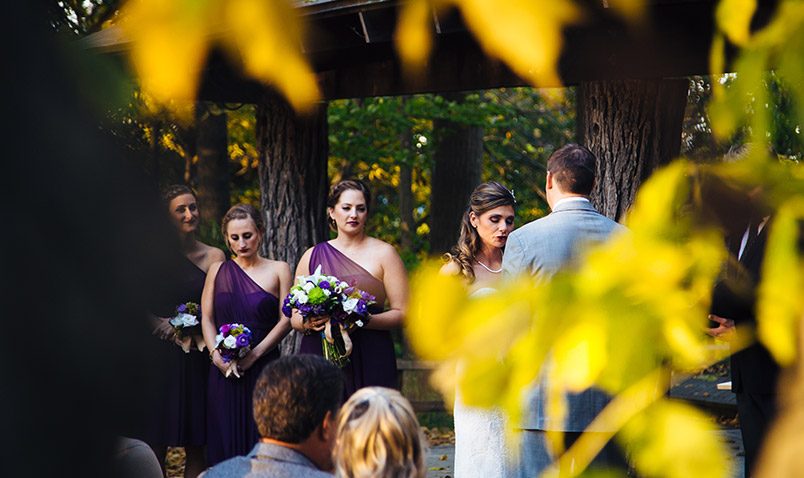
<point>480,448</point>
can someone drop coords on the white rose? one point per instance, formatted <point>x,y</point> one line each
<point>184,320</point>
<point>349,305</point>
<point>343,285</point>
<point>218,340</point>
<point>301,298</point>
<point>308,287</point>
<point>229,342</point>
<point>359,323</point>
<point>326,292</point>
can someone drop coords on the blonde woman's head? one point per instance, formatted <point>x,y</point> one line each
<point>378,436</point>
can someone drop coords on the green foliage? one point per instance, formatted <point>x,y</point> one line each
<point>373,138</point>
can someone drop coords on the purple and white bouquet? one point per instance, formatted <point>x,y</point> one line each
<point>233,342</point>
<point>187,327</point>
<point>320,295</point>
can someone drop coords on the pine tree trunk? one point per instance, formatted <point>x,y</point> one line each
<point>458,161</point>
<point>633,127</point>
<point>213,167</point>
<point>293,183</point>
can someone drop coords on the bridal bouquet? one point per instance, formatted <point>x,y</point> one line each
<point>234,342</point>
<point>187,327</point>
<point>347,307</point>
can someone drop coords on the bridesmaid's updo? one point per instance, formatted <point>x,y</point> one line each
<point>485,197</point>
<point>242,211</point>
<point>338,188</point>
<point>173,191</point>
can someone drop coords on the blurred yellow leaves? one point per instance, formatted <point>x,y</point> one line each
<point>676,441</point>
<point>733,17</point>
<point>636,306</point>
<point>525,34</point>
<point>172,38</point>
<point>781,301</point>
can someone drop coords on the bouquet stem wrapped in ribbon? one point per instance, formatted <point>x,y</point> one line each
<point>187,327</point>
<point>346,307</point>
<point>233,342</point>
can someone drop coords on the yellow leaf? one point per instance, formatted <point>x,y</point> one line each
<point>733,18</point>
<point>676,441</point>
<point>413,38</point>
<point>781,299</point>
<point>580,355</point>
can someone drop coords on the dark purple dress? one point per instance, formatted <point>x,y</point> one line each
<point>373,361</point>
<point>231,430</point>
<point>180,414</point>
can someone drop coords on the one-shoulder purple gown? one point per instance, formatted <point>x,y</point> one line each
<point>231,430</point>
<point>373,361</point>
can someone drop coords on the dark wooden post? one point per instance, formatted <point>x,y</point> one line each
<point>633,127</point>
<point>293,182</point>
<point>458,162</point>
<point>213,167</point>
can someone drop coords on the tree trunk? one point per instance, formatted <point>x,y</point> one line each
<point>293,183</point>
<point>633,127</point>
<point>407,224</point>
<point>458,161</point>
<point>213,167</point>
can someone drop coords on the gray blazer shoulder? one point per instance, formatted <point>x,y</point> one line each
<point>267,460</point>
<point>544,246</point>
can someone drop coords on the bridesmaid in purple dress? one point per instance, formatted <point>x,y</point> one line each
<point>244,290</point>
<point>371,265</point>
<point>181,413</point>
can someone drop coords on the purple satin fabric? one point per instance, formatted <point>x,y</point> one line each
<point>373,361</point>
<point>231,430</point>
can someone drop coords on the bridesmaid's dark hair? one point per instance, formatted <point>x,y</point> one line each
<point>173,191</point>
<point>485,197</point>
<point>338,188</point>
<point>241,211</point>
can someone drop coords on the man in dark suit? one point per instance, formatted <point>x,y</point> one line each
<point>295,402</point>
<point>754,371</point>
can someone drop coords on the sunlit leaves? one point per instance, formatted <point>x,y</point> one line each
<point>525,34</point>
<point>635,305</point>
<point>781,302</point>
<point>170,40</point>
<point>733,17</point>
<point>676,441</point>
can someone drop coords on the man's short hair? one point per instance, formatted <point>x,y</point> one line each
<point>573,168</point>
<point>293,394</point>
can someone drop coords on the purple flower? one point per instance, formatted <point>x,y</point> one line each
<point>243,339</point>
<point>324,285</point>
<point>361,308</point>
<point>181,308</point>
<point>225,328</point>
<point>286,308</point>
<point>349,290</point>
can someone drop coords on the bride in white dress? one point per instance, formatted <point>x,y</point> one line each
<point>480,448</point>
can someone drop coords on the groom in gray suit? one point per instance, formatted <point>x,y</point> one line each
<point>541,248</point>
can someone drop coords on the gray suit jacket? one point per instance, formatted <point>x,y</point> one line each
<point>267,460</point>
<point>541,248</point>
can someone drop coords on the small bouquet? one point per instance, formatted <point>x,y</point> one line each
<point>187,327</point>
<point>234,342</point>
<point>347,307</point>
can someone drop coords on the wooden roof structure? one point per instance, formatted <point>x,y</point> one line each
<point>350,46</point>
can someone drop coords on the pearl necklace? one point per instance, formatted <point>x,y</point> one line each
<point>490,269</point>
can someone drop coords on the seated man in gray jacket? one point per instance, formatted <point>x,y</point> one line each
<point>296,400</point>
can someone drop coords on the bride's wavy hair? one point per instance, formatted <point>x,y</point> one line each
<point>485,197</point>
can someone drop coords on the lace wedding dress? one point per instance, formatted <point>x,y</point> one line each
<point>480,447</point>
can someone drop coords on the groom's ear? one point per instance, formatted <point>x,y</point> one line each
<point>548,183</point>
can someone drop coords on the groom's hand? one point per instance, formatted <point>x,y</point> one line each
<point>725,329</point>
